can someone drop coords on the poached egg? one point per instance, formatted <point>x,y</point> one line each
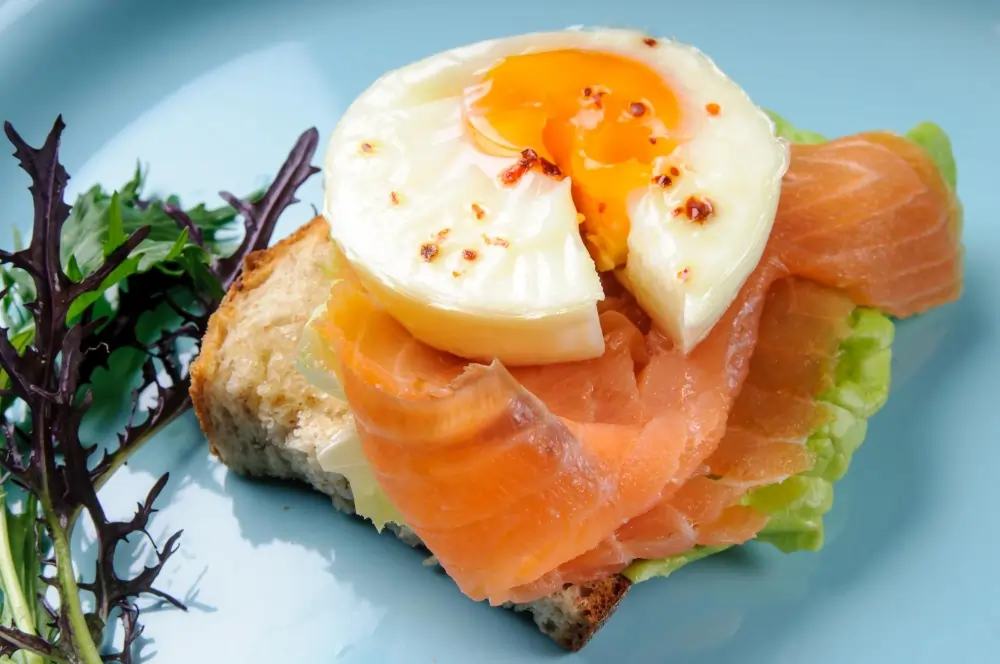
<point>479,192</point>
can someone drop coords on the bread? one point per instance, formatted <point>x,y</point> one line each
<point>262,419</point>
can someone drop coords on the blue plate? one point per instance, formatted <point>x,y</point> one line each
<point>212,95</point>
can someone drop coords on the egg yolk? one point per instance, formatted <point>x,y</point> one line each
<point>603,119</point>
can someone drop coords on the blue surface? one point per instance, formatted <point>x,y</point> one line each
<point>212,94</point>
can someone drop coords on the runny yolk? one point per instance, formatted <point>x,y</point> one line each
<point>603,118</point>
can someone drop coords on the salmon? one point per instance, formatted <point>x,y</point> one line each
<point>521,480</point>
<point>872,215</point>
<point>776,410</point>
<point>438,431</point>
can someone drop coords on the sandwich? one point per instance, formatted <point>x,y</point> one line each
<point>577,313</point>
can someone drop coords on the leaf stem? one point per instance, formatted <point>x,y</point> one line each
<point>119,460</point>
<point>13,593</point>
<point>69,594</point>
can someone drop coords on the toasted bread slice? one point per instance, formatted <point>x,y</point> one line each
<point>263,419</point>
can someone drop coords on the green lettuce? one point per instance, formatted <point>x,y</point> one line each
<point>933,138</point>
<point>342,453</point>
<point>927,135</point>
<point>787,130</point>
<point>796,506</point>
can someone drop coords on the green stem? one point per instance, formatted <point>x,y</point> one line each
<point>69,596</point>
<point>13,593</point>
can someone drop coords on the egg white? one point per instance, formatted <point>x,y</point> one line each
<point>401,167</point>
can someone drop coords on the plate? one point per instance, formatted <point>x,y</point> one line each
<point>212,94</point>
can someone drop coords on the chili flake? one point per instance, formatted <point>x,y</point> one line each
<point>367,147</point>
<point>469,254</point>
<point>529,159</point>
<point>496,241</point>
<point>675,171</point>
<point>684,274</point>
<point>514,174</point>
<point>550,169</point>
<point>428,251</point>
<point>478,211</point>
<point>713,108</point>
<point>652,139</point>
<point>637,109</point>
<point>663,180</point>
<point>698,209</point>
<point>601,207</point>
<point>650,42</point>
<point>394,197</point>
<point>442,234</point>
<point>587,92</point>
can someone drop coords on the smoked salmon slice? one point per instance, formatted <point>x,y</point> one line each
<point>521,480</point>
<point>440,433</point>
<point>871,214</point>
<point>800,332</point>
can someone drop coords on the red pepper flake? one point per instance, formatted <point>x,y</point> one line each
<point>713,108</point>
<point>496,241</point>
<point>637,109</point>
<point>428,251</point>
<point>529,159</point>
<point>514,174</point>
<point>550,169</point>
<point>597,99</point>
<point>663,180</point>
<point>367,147</point>
<point>684,274</point>
<point>678,211</point>
<point>652,139</point>
<point>650,42</point>
<point>675,171</point>
<point>394,197</point>
<point>601,207</point>
<point>587,92</point>
<point>442,234</point>
<point>469,254</point>
<point>698,210</point>
<point>478,211</point>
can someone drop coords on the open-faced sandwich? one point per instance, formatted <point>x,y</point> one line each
<point>576,313</point>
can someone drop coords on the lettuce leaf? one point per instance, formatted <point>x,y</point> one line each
<point>787,130</point>
<point>343,454</point>
<point>796,506</point>
<point>927,135</point>
<point>643,570</point>
<point>933,138</point>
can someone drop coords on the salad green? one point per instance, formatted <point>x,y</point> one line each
<point>116,284</point>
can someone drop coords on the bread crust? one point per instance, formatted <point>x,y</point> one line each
<point>274,432</point>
